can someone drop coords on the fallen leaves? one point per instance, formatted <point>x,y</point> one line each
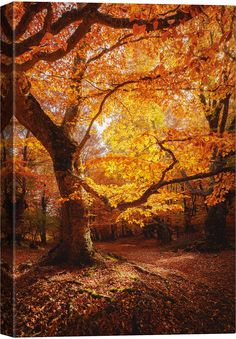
<point>158,293</point>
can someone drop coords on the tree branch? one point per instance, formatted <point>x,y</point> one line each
<point>115,88</point>
<point>154,188</point>
<point>30,11</point>
<point>6,27</point>
<point>195,191</point>
<point>30,114</point>
<point>174,160</point>
<point>91,15</point>
<point>163,23</point>
<point>54,28</point>
<point>34,40</point>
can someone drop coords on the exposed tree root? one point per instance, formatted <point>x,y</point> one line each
<point>54,256</point>
<point>58,256</point>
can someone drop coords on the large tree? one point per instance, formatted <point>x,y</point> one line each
<point>68,65</point>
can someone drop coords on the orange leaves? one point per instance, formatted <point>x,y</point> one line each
<point>223,184</point>
<point>165,36</point>
<point>47,37</point>
<point>155,25</point>
<point>64,46</point>
<point>162,71</point>
<point>171,22</point>
<point>35,49</point>
<point>139,29</point>
<point>194,10</point>
<point>179,44</point>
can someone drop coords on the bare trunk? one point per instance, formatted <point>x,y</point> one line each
<point>215,224</point>
<point>76,244</point>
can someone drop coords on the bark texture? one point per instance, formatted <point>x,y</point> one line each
<point>76,245</point>
<point>215,224</point>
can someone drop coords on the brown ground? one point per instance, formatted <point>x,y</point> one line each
<point>152,290</point>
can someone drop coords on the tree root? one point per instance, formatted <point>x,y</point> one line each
<point>58,256</point>
<point>55,256</point>
<point>144,271</point>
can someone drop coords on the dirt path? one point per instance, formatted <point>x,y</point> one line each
<point>214,269</point>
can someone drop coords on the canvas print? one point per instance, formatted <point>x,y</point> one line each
<point>117,169</point>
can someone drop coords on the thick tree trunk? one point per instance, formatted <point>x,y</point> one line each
<point>215,225</point>
<point>76,245</point>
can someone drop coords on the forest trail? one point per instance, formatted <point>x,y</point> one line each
<point>136,287</point>
<point>211,268</point>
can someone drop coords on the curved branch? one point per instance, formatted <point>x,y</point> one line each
<point>105,19</point>
<point>54,28</point>
<point>34,40</point>
<point>30,114</point>
<point>30,11</point>
<point>115,88</point>
<point>174,160</point>
<point>78,34</point>
<point>154,188</point>
<point>163,23</point>
<point>69,17</point>
<point>6,27</point>
<point>87,133</point>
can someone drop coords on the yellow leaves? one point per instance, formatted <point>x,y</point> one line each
<point>223,184</point>
<point>157,204</point>
<point>135,215</point>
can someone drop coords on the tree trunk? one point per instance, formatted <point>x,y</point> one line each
<point>43,221</point>
<point>164,233</point>
<point>76,245</point>
<point>215,224</point>
<point>14,215</point>
<point>113,232</point>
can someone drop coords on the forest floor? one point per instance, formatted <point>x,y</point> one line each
<point>137,287</point>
